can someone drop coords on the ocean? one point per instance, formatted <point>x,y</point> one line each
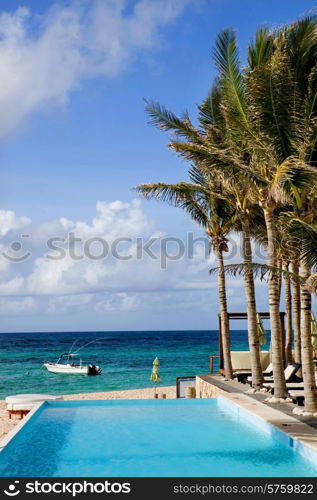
<point>125,357</point>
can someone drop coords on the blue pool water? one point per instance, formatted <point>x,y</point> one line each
<point>199,437</point>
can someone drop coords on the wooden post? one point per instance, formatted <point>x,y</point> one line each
<point>211,364</point>
<point>244,316</point>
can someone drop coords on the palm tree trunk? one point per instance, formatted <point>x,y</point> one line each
<point>253,337</point>
<point>224,314</point>
<point>280,266</point>
<point>296,314</point>
<point>310,391</point>
<point>274,302</point>
<point>288,311</point>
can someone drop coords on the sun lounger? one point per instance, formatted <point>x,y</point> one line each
<point>297,397</point>
<point>20,409</point>
<point>243,375</point>
<point>21,404</point>
<point>290,386</point>
<point>295,385</point>
<point>241,360</point>
<point>289,372</point>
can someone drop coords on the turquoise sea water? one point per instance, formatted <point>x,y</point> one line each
<point>125,357</point>
<point>147,438</point>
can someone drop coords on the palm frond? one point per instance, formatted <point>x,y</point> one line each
<point>311,284</point>
<point>291,176</point>
<point>164,119</point>
<point>270,91</point>
<point>261,49</point>
<point>226,56</point>
<point>209,112</point>
<point>310,113</point>
<point>169,193</point>
<point>180,195</point>
<point>211,159</point>
<point>310,104</point>
<point>261,271</point>
<point>306,235</point>
<point>196,176</point>
<point>300,43</point>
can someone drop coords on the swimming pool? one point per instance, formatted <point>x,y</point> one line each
<point>194,437</point>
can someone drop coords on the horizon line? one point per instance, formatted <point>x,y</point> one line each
<point>118,331</point>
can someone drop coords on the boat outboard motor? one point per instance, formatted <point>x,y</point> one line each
<point>93,370</point>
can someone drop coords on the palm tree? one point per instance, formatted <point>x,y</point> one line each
<point>296,312</point>
<point>253,337</point>
<point>243,153</point>
<point>288,311</point>
<point>280,130</point>
<point>307,234</point>
<point>285,254</point>
<point>252,92</point>
<point>237,194</point>
<point>212,129</point>
<point>203,201</point>
<point>263,133</point>
<point>272,108</point>
<point>265,138</point>
<point>298,46</point>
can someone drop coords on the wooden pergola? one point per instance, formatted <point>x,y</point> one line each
<point>244,316</point>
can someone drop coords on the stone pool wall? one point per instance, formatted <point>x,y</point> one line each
<point>205,389</point>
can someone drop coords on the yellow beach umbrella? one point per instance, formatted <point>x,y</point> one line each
<point>261,330</point>
<point>313,330</point>
<point>155,376</point>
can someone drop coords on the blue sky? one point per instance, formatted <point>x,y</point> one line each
<point>73,132</point>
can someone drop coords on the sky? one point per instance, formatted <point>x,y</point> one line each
<point>74,140</point>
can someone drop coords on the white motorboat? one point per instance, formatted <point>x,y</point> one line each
<point>67,363</point>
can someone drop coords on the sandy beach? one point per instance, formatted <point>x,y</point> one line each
<point>6,424</point>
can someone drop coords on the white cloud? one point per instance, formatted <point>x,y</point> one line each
<point>9,221</point>
<point>63,303</point>
<point>117,302</point>
<point>109,285</point>
<point>18,306</point>
<point>158,302</point>
<point>82,274</point>
<point>12,286</point>
<point>121,227</point>
<point>44,57</point>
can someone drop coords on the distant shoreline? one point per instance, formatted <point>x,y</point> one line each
<point>145,393</point>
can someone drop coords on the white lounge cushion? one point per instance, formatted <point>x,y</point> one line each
<point>296,394</point>
<point>29,398</point>
<point>288,372</point>
<point>290,385</point>
<point>268,369</point>
<point>241,360</point>
<point>266,379</point>
<point>22,406</point>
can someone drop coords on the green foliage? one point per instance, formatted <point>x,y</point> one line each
<point>255,144</point>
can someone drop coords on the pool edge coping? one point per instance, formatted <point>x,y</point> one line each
<point>304,436</point>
